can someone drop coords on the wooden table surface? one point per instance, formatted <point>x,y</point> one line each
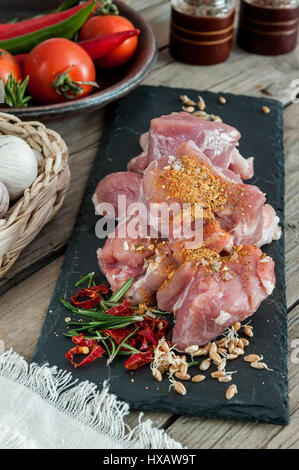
<point>29,284</point>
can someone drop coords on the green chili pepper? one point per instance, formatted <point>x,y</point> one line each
<point>63,29</point>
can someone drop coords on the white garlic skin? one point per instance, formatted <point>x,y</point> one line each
<point>18,165</point>
<point>4,200</point>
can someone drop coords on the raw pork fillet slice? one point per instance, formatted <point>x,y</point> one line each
<point>118,184</point>
<point>157,270</point>
<point>216,141</point>
<point>207,294</point>
<point>148,260</point>
<point>122,256</point>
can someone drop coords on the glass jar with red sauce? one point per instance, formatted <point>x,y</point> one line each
<point>201,31</point>
<point>268,27</point>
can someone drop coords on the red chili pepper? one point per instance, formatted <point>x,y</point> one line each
<point>119,335</point>
<point>138,360</point>
<point>103,288</point>
<point>122,309</point>
<point>94,349</point>
<point>96,47</point>
<point>12,30</point>
<point>100,46</point>
<point>91,293</point>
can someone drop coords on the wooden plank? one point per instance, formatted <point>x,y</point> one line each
<point>242,73</point>
<point>203,433</point>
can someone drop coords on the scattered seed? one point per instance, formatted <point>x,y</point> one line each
<point>216,358</point>
<point>179,388</point>
<point>85,350</point>
<point>231,391</point>
<point>236,326</point>
<point>186,100</point>
<point>244,341</point>
<point>222,365</point>
<point>252,358</point>
<point>239,351</point>
<point>157,374</point>
<point>201,104</point>
<point>222,343</point>
<point>182,376</point>
<point>222,100</point>
<point>217,374</point>
<point>189,109</point>
<point>200,352</point>
<point>231,346</point>
<point>198,378</point>
<point>205,364</point>
<point>258,365</point>
<point>213,348</point>
<point>248,331</point>
<point>183,369</point>
<point>67,319</point>
<point>165,347</point>
<point>191,349</point>
<point>232,356</point>
<point>221,350</point>
<point>225,378</point>
<point>266,110</point>
<point>240,344</point>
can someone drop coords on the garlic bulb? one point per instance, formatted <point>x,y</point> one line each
<point>4,200</point>
<point>18,166</point>
<point>39,159</point>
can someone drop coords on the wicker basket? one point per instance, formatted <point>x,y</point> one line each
<point>28,215</point>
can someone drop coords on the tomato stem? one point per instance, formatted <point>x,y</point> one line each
<point>69,88</point>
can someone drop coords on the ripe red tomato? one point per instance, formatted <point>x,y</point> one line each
<point>55,67</point>
<point>98,26</point>
<point>8,65</point>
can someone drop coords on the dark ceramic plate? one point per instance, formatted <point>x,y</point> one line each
<point>262,394</point>
<point>114,83</point>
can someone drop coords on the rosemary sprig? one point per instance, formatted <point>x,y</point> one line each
<point>121,291</point>
<point>89,277</point>
<point>121,345</point>
<point>14,92</point>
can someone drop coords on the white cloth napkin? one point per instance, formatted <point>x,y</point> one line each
<point>42,407</point>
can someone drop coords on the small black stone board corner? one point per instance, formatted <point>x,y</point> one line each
<point>262,394</point>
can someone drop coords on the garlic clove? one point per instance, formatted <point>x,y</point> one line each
<point>4,200</point>
<point>18,165</point>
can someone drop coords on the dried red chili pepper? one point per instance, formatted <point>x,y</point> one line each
<point>118,335</point>
<point>95,350</point>
<point>92,293</point>
<point>122,309</point>
<point>138,360</point>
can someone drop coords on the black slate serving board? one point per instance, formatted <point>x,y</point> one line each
<point>262,395</point>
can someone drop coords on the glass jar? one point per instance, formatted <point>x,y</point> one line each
<point>268,27</point>
<point>201,31</point>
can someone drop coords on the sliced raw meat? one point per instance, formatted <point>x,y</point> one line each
<point>216,141</point>
<point>271,229</point>
<point>139,163</point>
<point>123,256</point>
<point>157,269</point>
<point>242,166</point>
<point>209,293</point>
<point>190,178</point>
<point>123,183</point>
